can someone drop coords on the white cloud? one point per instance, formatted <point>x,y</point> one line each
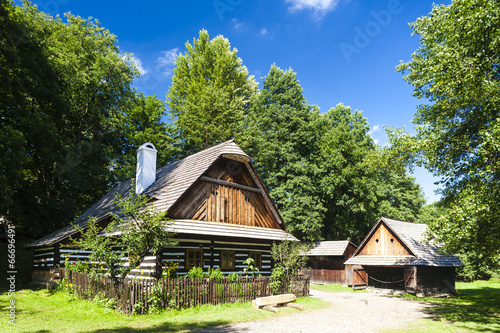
<point>263,31</point>
<point>138,64</point>
<point>374,129</point>
<point>320,7</point>
<point>376,141</point>
<point>167,61</point>
<point>168,58</point>
<point>237,24</point>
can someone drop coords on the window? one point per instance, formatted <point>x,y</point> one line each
<point>257,259</point>
<point>227,259</point>
<point>194,258</point>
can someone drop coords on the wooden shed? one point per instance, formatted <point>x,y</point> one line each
<point>326,262</point>
<point>395,255</point>
<point>221,212</point>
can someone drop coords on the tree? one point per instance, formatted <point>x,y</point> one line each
<point>282,135</point>
<point>138,230</point>
<point>209,95</point>
<point>458,131</point>
<point>64,88</point>
<point>400,198</point>
<point>348,179</point>
<point>143,121</point>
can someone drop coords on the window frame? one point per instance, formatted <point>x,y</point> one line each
<point>194,251</point>
<point>232,266</point>
<point>257,263</point>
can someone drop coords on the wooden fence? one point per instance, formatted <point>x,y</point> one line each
<point>138,295</point>
<point>325,276</point>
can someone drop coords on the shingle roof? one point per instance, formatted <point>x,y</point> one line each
<point>413,236</point>
<point>226,230</point>
<point>329,248</point>
<point>171,182</point>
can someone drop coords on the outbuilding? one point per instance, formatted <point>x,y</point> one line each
<point>326,262</point>
<point>396,255</point>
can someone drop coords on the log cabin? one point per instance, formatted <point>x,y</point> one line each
<point>326,262</point>
<point>396,255</point>
<point>220,211</point>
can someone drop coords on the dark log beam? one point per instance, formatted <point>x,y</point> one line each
<point>225,183</point>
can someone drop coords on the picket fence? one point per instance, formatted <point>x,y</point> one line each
<point>139,295</point>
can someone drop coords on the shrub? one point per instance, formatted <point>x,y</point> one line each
<point>195,273</point>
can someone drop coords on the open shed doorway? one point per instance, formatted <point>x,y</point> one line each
<point>392,277</point>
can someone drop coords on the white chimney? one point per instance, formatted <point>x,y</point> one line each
<point>146,167</point>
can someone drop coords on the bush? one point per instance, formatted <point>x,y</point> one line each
<point>215,273</point>
<point>195,273</point>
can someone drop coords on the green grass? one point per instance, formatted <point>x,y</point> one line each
<point>43,311</point>
<point>476,309</point>
<point>335,288</point>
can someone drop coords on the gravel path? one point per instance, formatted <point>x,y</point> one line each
<point>349,312</point>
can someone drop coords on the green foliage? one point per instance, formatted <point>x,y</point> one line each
<point>215,273</point>
<point>288,256</point>
<point>139,230</point>
<point>102,301</point>
<point>67,114</point>
<point>251,269</point>
<point>282,135</point>
<point>477,266</point>
<point>210,92</point>
<point>195,273</point>
<point>458,131</point>
<point>142,229</point>
<point>102,260</point>
<point>143,121</point>
<point>319,167</point>
<point>288,260</point>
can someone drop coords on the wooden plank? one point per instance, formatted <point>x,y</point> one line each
<point>270,308</point>
<point>295,306</point>
<point>277,299</point>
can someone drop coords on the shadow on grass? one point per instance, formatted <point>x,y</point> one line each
<point>171,327</point>
<point>475,307</point>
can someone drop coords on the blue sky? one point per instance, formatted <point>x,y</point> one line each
<point>343,51</point>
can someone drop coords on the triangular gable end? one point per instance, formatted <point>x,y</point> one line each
<point>383,240</point>
<point>227,192</point>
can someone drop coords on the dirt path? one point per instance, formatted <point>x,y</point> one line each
<point>349,312</point>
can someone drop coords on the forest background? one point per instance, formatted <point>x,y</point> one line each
<point>71,122</point>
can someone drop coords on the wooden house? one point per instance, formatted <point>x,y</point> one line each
<point>326,262</point>
<point>395,255</point>
<point>221,213</point>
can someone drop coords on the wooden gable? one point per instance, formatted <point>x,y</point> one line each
<point>225,193</point>
<point>382,241</point>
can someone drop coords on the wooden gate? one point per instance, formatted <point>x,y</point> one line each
<point>360,278</point>
<point>411,279</point>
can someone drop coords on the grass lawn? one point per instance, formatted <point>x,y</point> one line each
<point>335,288</point>
<point>476,309</point>
<point>43,311</point>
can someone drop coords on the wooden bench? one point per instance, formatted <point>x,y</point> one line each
<point>270,303</point>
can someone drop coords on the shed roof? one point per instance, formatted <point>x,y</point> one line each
<point>171,182</point>
<point>329,248</point>
<point>413,236</point>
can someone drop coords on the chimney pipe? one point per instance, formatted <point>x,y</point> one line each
<point>146,167</point>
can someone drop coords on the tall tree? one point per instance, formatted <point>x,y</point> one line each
<point>283,131</point>
<point>348,183</point>
<point>66,85</point>
<point>458,132</point>
<point>400,198</point>
<point>143,121</point>
<point>210,93</point>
